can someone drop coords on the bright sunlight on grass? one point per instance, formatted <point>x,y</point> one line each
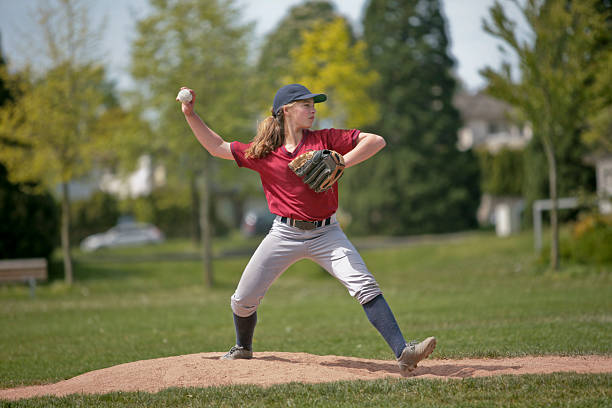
<point>481,296</point>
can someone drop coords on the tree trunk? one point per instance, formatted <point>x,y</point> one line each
<point>206,226</point>
<point>66,234</point>
<point>552,187</point>
<point>195,211</point>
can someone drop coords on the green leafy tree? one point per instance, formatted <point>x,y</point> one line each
<point>28,219</point>
<point>420,182</point>
<point>49,128</point>
<point>275,58</point>
<point>5,94</point>
<point>502,172</point>
<point>555,90</point>
<point>201,44</point>
<point>329,60</point>
<point>598,137</point>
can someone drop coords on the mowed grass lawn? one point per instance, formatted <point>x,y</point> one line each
<point>480,295</point>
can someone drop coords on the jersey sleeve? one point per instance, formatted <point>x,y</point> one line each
<point>238,151</point>
<point>342,140</point>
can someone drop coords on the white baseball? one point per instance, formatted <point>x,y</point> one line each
<point>184,96</point>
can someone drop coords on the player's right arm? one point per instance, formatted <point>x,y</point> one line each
<point>211,141</point>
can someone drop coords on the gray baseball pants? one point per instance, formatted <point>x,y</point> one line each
<point>284,245</point>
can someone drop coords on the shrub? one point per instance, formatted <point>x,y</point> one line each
<point>29,221</point>
<point>591,239</point>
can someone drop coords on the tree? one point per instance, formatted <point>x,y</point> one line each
<point>558,65</point>
<point>598,137</point>
<point>495,168</point>
<point>28,220</point>
<point>49,127</point>
<point>5,94</point>
<point>420,182</point>
<point>203,45</point>
<point>275,58</point>
<point>330,61</point>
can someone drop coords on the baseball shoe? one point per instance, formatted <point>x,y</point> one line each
<point>413,353</point>
<point>237,352</point>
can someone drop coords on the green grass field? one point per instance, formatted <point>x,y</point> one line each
<point>481,296</point>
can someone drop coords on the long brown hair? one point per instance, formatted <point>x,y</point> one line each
<point>270,135</point>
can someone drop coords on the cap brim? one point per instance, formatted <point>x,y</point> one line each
<point>316,97</point>
<point>319,98</point>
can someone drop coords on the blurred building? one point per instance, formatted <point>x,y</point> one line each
<point>144,179</point>
<point>488,124</point>
<point>138,183</point>
<point>603,170</point>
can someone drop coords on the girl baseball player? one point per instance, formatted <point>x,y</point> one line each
<point>305,226</point>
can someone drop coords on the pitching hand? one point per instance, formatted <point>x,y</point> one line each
<point>187,108</point>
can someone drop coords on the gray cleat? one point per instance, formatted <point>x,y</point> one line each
<point>413,353</point>
<point>237,352</point>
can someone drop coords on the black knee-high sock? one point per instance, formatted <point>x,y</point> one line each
<point>380,315</point>
<point>245,327</point>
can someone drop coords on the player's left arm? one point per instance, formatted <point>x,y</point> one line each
<point>368,144</point>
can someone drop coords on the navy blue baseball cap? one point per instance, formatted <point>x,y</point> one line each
<point>294,92</point>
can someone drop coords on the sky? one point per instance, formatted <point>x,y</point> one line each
<point>471,47</point>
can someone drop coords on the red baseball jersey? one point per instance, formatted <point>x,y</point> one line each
<point>286,193</point>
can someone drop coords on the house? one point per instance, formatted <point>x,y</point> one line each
<point>603,170</point>
<point>138,183</point>
<point>488,124</point>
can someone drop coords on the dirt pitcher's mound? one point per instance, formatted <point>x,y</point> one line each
<point>268,368</point>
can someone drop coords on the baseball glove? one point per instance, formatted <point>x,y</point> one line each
<point>319,169</point>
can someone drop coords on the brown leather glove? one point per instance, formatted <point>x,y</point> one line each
<point>319,169</point>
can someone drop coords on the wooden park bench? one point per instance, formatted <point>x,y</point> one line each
<point>24,270</point>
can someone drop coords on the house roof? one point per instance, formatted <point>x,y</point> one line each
<point>597,157</point>
<point>480,106</point>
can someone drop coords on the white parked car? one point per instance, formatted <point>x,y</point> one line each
<point>130,233</point>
